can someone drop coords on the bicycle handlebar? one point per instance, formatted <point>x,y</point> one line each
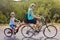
<point>19,22</point>
<point>41,17</point>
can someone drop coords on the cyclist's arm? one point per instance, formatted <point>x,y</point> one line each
<point>17,20</point>
<point>33,14</point>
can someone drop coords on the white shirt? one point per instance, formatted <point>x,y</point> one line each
<point>12,21</point>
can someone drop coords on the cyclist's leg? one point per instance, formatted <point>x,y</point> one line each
<point>37,25</point>
<point>13,26</point>
<point>36,22</point>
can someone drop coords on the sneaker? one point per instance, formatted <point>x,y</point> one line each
<point>14,33</point>
<point>37,31</point>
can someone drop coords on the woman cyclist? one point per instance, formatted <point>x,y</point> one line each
<point>31,18</point>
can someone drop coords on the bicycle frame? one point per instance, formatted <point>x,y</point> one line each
<point>43,23</point>
<point>23,24</point>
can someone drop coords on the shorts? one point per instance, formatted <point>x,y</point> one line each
<point>13,26</point>
<point>34,21</point>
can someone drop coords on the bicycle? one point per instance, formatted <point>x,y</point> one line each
<point>9,32</point>
<point>47,31</point>
<point>29,33</point>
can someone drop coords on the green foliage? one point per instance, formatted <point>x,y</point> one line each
<point>3,19</point>
<point>50,9</point>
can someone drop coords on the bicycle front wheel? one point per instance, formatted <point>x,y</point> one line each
<point>8,32</point>
<point>50,32</point>
<point>27,31</point>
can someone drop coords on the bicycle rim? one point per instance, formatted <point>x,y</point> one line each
<point>26,29</point>
<point>8,32</point>
<point>50,32</point>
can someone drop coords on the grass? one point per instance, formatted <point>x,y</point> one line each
<point>3,26</point>
<point>57,25</point>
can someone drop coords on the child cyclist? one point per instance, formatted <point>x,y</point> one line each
<point>12,21</point>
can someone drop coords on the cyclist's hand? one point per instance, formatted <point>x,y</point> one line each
<point>19,22</point>
<point>38,17</point>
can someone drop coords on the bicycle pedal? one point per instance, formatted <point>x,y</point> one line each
<point>27,32</point>
<point>14,33</point>
<point>37,31</point>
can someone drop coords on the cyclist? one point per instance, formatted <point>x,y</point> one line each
<point>31,18</point>
<point>12,20</point>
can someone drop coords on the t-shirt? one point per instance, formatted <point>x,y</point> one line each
<point>30,17</point>
<point>12,21</point>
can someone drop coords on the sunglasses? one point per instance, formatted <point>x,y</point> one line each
<point>12,14</point>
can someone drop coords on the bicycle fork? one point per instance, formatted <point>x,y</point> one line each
<point>48,28</point>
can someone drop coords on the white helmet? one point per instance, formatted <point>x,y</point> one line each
<point>12,13</point>
<point>32,5</point>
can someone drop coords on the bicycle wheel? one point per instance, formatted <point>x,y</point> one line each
<point>27,31</point>
<point>50,32</point>
<point>8,32</point>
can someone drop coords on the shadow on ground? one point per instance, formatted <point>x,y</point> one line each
<point>41,38</point>
<point>11,38</point>
<point>51,39</point>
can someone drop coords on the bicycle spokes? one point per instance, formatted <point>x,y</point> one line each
<point>27,31</point>
<point>8,32</point>
<point>51,31</point>
<point>48,29</point>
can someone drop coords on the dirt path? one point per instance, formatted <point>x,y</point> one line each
<point>19,36</point>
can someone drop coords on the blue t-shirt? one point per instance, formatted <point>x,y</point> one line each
<point>30,17</point>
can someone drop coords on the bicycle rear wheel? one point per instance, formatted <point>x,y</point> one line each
<point>50,32</point>
<point>8,32</point>
<point>27,31</point>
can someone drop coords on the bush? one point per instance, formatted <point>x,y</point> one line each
<point>3,18</point>
<point>50,9</point>
<point>58,21</point>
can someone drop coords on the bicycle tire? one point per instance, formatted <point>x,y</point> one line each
<point>51,36</point>
<point>23,34</point>
<point>6,34</point>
